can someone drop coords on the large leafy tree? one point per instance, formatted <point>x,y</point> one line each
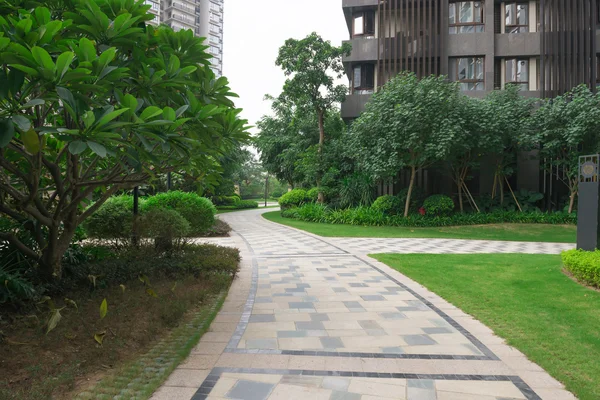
<point>410,123</point>
<point>568,127</point>
<point>94,101</point>
<point>312,65</point>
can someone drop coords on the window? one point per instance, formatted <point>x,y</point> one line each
<point>466,17</point>
<point>517,72</point>
<point>214,50</point>
<point>363,79</point>
<point>364,24</point>
<point>469,72</point>
<point>517,18</point>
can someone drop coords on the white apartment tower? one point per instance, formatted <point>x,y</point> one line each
<point>203,17</point>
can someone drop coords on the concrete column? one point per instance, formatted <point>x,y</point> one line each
<point>490,40</point>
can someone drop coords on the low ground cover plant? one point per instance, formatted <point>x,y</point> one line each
<point>583,265</point>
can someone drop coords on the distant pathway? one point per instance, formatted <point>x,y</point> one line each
<point>315,318</point>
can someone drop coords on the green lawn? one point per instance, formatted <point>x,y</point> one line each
<point>527,300</point>
<point>516,232</point>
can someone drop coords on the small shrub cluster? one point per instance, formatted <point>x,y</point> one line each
<point>417,198</point>
<point>198,211</point>
<point>225,200</point>
<point>313,195</point>
<point>368,216</point>
<point>388,205</point>
<point>438,205</point>
<point>240,205</point>
<point>584,265</point>
<point>294,198</point>
<point>113,220</point>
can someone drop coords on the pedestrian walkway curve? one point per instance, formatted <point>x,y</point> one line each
<point>316,318</point>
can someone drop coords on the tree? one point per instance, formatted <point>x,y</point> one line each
<point>505,129</point>
<point>312,65</point>
<point>409,123</point>
<point>94,101</point>
<point>566,128</point>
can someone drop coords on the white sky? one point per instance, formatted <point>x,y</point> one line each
<point>254,31</point>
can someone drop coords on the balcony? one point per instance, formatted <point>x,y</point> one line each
<point>354,105</point>
<point>359,3</point>
<point>362,50</point>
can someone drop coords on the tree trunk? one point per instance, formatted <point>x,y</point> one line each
<point>572,200</point>
<point>460,197</point>
<point>50,262</point>
<point>321,197</point>
<point>413,173</point>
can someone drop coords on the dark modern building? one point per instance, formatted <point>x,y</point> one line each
<point>545,46</point>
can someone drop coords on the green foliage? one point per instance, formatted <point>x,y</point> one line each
<point>293,198</point>
<point>387,205</point>
<point>438,205</point>
<point>357,190</point>
<point>584,265</point>
<point>166,226</point>
<point>529,200</point>
<point>416,199</point>
<point>94,101</point>
<point>313,194</point>
<point>198,211</point>
<point>368,216</point>
<point>240,205</point>
<point>224,200</point>
<point>112,220</point>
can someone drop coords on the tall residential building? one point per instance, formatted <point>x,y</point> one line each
<point>545,46</point>
<point>203,17</point>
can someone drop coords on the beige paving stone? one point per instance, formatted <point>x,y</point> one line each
<point>225,327</point>
<point>271,361</point>
<point>192,378</point>
<point>235,360</point>
<point>173,393</point>
<point>343,364</point>
<point>540,380</point>
<point>209,348</point>
<point>555,394</point>
<point>200,361</point>
<point>376,389</point>
<point>216,337</point>
<point>462,396</point>
<point>265,378</point>
<point>481,388</point>
<point>307,363</point>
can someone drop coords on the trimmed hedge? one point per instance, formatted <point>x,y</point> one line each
<point>367,216</point>
<point>388,205</point>
<point>198,211</point>
<point>584,265</point>
<point>313,195</point>
<point>113,220</point>
<point>438,205</point>
<point>294,198</point>
<point>240,205</point>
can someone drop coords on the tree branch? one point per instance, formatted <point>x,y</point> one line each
<point>12,239</point>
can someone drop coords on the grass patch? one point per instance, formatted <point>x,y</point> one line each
<point>506,232</point>
<point>525,299</point>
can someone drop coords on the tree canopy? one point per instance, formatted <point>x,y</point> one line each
<point>93,101</point>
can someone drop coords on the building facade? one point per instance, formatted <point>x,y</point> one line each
<point>203,17</point>
<point>545,46</point>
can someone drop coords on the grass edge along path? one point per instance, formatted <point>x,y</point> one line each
<point>142,377</point>
<point>501,232</point>
<point>525,299</point>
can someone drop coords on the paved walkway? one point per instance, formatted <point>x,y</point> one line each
<point>315,318</point>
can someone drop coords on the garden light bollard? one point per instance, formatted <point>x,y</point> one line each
<point>588,210</point>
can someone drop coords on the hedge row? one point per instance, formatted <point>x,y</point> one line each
<point>367,216</point>
<point>584,265</point>
<point>240,205</point>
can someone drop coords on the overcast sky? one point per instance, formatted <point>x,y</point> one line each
<point>254,31</point>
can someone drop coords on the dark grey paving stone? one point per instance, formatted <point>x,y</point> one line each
<point>347,274</point>
<point>339,289</point>
<point>249,390</point>
<point>393,315</point>
<point>262,318</point>
<point>407,309</point>
<point>313,325</point>
<point>393,350</point>
<point>330,278</point>
<point>294,290</point>
<point>331,342</point>
<point>421,383</point>
<point>424,392</point>
<point>376,332</point>
<point>264,286</point>
<point>319,317</point>
<point>353,304</point>
<point>369,325</point>
<point>434,331</point>
<point>303,305</point>
<point>303,286</point>
<point>291,334</point>
<point>322,269</point>
<point>263,300</point>
<point>358,285</point>
<point>375,297</point>
<point>335,383</point>
<point>261,344</point>
<point>418,340</point>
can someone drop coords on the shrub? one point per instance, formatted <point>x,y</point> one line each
<point>438,205</point>
<point>219,229</point>
<point>313,195</point>
<point>294,198</point>
<point>276,194</point>
<point>167,228</point>
<point>416,198</point>
<point>225,200</point>
<point>584,265</point>
<point>388,205</point>
<point>371,217</point>
<point>357,190</point>
<point>113,220</point>
<point>240,205</point>
<point>198,211</point>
